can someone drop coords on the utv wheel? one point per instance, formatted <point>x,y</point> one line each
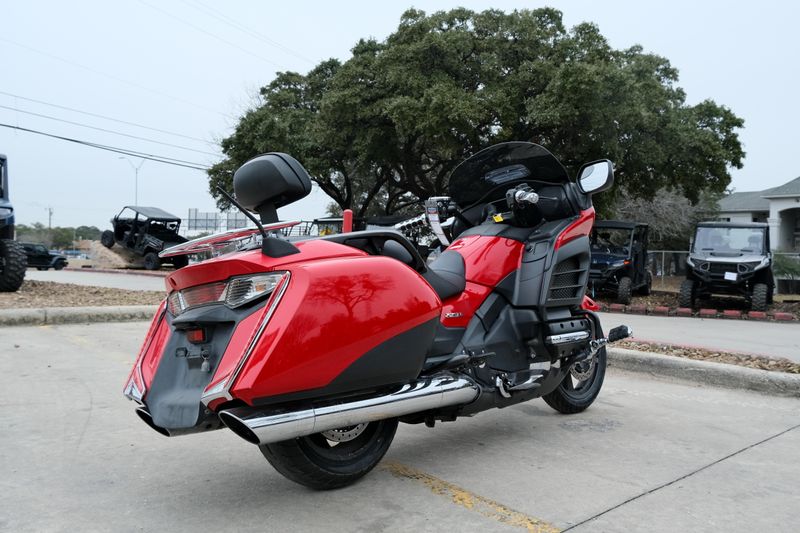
<point>107,238</point>
<point>332,459</point>
<point>581,386</point>
<point>648,285</point>
<point>13,262</point>
<point>686,296</point>
<point>59,265</point>
<point>624,290</point>
<point>151,261</point>
<point>760,298</point>
<point>180,261</point>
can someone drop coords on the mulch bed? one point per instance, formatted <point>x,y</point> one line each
<point>37,294</point>
<point>670,299</point>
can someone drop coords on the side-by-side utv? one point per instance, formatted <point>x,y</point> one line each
<point>146,231</point>
<point>729,258</point>
<point>619,259</point>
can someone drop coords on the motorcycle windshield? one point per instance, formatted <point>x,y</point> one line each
<point>504,164</point>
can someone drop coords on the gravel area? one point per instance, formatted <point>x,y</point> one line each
<point>35,294</point>
<point>751,361</point>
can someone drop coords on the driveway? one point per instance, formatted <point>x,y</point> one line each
<point>771,339</point>
<point>649,455</point>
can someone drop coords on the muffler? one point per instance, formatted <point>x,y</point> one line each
<point>260,426</point>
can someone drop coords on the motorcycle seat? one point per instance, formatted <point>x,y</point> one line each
<point>447,274</point>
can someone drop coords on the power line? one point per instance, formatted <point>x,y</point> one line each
<point>225,19</point>
<point>107,130</point>
<point>96,115</point>
<point>215,36</point>
<point>124,151</point>
<point>115,78</point>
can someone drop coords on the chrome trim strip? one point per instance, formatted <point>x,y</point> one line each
<point>225,392</point>
<point>143,353</point>
<point>435,392</point>
<point>565,338</point>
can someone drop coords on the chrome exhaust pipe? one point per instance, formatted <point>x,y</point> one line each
<point>259,426</point>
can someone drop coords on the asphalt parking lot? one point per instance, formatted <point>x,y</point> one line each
<point>650,455</point>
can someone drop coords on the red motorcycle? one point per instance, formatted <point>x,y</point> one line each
<point>315,349</point>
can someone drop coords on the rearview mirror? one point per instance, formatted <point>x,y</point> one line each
<point>596,176</point>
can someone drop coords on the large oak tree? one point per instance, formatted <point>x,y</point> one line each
<point>383,130</point>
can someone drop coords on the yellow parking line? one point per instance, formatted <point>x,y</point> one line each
<point>464,498</point>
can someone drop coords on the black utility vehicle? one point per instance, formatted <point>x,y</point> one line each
<point>146,231</point>
<point>729,258</point>
<point>619,259</point>
<point>42,258</point>
<point>12,256</point>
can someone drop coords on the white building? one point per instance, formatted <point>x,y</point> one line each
<point>779,207</point>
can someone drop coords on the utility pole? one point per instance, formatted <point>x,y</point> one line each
<point>135,177</point>
<point>49,218</point>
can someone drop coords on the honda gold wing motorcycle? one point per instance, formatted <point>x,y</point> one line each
<point>315,349</point>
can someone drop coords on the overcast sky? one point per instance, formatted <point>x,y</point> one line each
<point>190,67</point>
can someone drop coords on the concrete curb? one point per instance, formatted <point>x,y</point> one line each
<point>706,372</point>
<point>75,315</point>
<point>129,272</point>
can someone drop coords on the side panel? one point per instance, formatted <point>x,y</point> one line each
<point>488,259</point>
<point>332,314</point>
<point>458,310</point>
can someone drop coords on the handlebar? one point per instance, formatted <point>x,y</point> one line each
<point>526,197</point>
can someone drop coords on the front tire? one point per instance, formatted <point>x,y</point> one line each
<point>107,238</point>
<point>574,395</point>
<point>624,290</point>
<point>760,298</point>
<point>332,459</point>
<point>686,296</point>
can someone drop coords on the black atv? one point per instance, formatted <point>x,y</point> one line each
<point>42,258</point>
<point>619,259</point>
<point>729,258</point>
<point>12,257</point>
<point>146,231</point>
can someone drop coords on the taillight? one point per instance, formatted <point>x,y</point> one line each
<point>233,293</point>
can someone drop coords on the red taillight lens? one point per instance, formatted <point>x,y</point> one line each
<point>196,336</point>
<point>180,301</point>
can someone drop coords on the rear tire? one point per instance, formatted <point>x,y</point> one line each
<point>760,297</point>
<point>59,265</point>
<point>624,290</point>
<point>574,396</point>
<point>107,238</point>
<point>13,263</point>
<point>151,261</point>
<point>322,464</point>
<point>686,296</point>
<point>648,284</point>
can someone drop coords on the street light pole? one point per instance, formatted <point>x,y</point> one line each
<point>135,176</point>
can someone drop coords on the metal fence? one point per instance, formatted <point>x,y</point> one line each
<point>668,268</point>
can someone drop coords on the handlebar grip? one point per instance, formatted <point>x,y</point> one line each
<point>619,333</point>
